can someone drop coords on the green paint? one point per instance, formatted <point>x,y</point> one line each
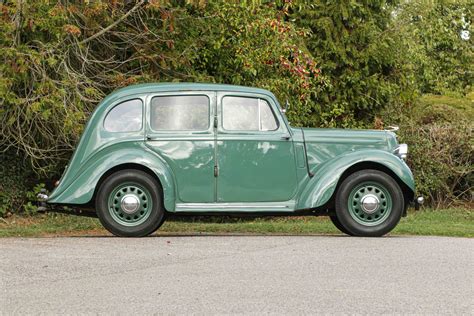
<point>119,214</point>
<point>261,170</point>
<point>356,209</point>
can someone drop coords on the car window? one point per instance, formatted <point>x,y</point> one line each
<point>247,114</point>
<point>267,119</point>
<point>186,113</point>
<point>125,117</point>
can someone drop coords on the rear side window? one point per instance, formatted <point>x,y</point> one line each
<point>247,114</point>
<point>180,113</point>
<point>125,117</point>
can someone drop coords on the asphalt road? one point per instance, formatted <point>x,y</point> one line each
<point>237,275</point>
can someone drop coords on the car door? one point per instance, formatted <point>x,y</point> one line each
<point>179,130</point>
<point>255,154</point>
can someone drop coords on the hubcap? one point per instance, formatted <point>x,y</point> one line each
<point>369,203</point>
<point>130,204</point>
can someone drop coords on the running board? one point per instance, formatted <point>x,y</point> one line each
<point>288,206</point>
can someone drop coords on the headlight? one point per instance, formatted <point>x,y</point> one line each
<point>401,151</point>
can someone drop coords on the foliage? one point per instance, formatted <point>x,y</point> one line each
<point>358,53</point>
<point>14,185</point>
<point>258,47</point>
<point>439,131</point>
<point>438,44</point>
<point>31,207</point>
<point>59,60</point>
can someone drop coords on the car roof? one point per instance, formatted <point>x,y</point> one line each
<point>173,86</point>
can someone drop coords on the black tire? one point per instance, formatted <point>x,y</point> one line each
<point>339,226</point>
<point>155,215</point>
<point>351,222</point>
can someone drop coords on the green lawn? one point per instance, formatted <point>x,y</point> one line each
<point>443,222</point>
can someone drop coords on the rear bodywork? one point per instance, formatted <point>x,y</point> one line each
<point>306,167</point>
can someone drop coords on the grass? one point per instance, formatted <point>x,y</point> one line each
<point>457,222</point>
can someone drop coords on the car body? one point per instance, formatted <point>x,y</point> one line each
<point>221,149</point>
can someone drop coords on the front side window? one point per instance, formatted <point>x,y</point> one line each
<point>180,113</point>
<point>125,117</point>
<point>247,114</point>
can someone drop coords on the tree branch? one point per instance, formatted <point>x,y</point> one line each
<point>138,5</point>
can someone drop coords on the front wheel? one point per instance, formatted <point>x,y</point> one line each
<point>129,204</point>
<point>369,203</point>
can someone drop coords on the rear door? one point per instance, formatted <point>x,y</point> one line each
<point>179,129</point>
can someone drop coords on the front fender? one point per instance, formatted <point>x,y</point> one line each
<point>80,190</point>
<point>321,187</point>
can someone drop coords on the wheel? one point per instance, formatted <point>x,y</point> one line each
<point>129,204</point>
<point>338,225</point>
<point>369,203</point>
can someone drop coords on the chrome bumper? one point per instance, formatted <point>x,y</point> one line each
<point>419,202</point>
<point>42,199</point>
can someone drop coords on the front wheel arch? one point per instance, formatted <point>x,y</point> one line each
<point>408,193</point>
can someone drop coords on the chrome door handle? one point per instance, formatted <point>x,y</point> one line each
<point>286,137</point>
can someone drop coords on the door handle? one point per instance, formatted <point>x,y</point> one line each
<point>286,137</point>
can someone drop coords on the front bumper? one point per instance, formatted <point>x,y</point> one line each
<point>419,202</point>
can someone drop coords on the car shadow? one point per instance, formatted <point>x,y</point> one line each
<point>223,235</point>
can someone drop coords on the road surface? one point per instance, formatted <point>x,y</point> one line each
<point>237,275</point>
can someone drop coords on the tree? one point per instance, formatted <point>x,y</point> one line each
<point>357,51</point>
<point>255,45</point>
<point>439,43</point>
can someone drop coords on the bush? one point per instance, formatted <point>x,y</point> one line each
<point>438,130</point>
<point>13,186</point>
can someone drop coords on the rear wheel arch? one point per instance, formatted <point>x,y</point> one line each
<point>129,203</point>
<point>127,166</point>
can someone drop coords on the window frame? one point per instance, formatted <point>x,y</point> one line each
<point>118,104</point>
<point>170,131</point>
<point>259,98</point>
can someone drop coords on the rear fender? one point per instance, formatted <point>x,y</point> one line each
<point>81,189</point>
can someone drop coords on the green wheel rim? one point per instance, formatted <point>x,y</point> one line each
<point>369,203</point>
<point>134,213</point>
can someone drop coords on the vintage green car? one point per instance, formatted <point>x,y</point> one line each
<point>152,150</point>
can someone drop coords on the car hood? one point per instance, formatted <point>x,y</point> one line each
<point>332,142</point>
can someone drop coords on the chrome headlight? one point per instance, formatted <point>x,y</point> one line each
<point>401,151</point>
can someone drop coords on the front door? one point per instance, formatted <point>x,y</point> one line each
<point>179,130</point>
<point>255,155</point>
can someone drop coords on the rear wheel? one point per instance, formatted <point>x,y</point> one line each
<point>129,204</point>
<point>369,203</point>
<point>338,225</point>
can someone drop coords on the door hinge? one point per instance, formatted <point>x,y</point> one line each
<point>215,121</point>
<point>216,171</point>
